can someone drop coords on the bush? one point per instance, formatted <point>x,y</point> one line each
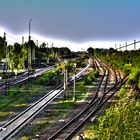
<point>49,78</point>
<point>120,122</point>
<point>134,77</point>
<point>90,78</point>
<point>126,69</point>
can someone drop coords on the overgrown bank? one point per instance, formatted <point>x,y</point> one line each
<point>122,120</point>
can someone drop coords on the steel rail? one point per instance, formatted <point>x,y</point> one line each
<point>60,88</point>
<point>103,100</point>
<point>94,100</point>
<point>94,111</point>
<point>97,100</point>
<point>22,78</point>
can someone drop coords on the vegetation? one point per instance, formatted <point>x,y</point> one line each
<point>17,55</point>
<point>18,97</point>
<point>121,120</point>
<point>90,51</point>
<point>21,96</point>
<point>51,78</point>
<point>61,110</point>
<point>127,62</point>
<point>89,79</point>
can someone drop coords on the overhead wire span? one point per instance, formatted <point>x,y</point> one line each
<point>12,37</point>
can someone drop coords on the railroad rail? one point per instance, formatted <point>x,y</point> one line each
<point>22,78</point>
<point>71,127</point>
<point>13,126</point>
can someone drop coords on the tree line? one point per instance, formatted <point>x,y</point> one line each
<point>121,120</point>
<point>17,54</point>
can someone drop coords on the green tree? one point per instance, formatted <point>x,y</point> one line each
<point>2,49</point>
<point>90,51</point>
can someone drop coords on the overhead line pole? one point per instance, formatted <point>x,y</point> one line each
<point>29,47</point>
<point>74,84</point>
<point>29,50</point>
<point>134,44</point>
<point>126,45</point>
<point>7,84</point>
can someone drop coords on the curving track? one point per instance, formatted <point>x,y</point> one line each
<point>103,93</point>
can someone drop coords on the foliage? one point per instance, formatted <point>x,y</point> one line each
<point>50,78</point>
<point>89,79</point>
<point>126,61</point>
<point>134,77</point>
<point>18,54</point>
<point>90,51</point>
<point>122,60</point>
<point>121,121</point>
<point>2,48</point>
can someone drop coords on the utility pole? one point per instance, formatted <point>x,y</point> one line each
<point>120,47</point>
<point>37,43</point>
<point>66,71</point>
<point>65,85</point>
<point>37,52</point>
<point>6,66</point>
<point>115,46</point>
<point>22,40</point>
<point>33,54</point>
<point>64,65</point>
<point>134,44</point>
<point>74,84</point>
<point>126,45</point>
<point>29,47</point>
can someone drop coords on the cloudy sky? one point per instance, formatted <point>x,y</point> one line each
<point>73,21</point>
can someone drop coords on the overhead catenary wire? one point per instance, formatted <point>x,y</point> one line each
<point>126,45</point>
<point>12,37</point>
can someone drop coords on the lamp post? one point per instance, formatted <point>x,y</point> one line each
<point>74,83</point>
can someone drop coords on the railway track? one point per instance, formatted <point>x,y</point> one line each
<point>9,106</point>
<point>13,126</point>
<point>22,78</point>
<point>102,95</point>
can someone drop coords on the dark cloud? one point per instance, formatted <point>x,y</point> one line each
<point>74,20</point>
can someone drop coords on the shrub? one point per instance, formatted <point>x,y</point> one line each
<point>134,77</point>
<point>90,78</point>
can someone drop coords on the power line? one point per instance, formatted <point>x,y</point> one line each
<point>10,41</point>
<point>126,45</point>
<point>12,37</point>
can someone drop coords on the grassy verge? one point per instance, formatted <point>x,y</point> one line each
<point>120,121</point>
<point>20,97</point>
